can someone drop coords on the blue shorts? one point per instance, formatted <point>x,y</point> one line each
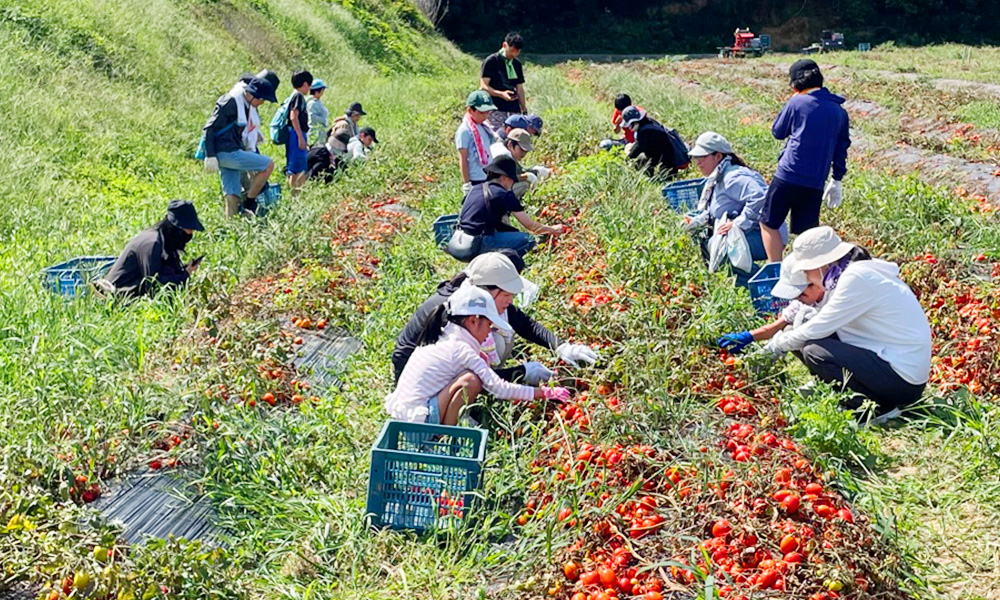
<point>434,411</point>
<point>295,157</point>
<point>232,164</point>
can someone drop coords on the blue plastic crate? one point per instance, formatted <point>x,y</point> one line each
<point>761,285</point>
<point>422,475</point>
<point>268,198</point>
<point>71,277</point>
<point>444,226</point>
<point>683,196</point>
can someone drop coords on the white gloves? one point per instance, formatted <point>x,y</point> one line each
<point>211,165</point>
<point>535,373</point>
<point>574,353</point>
<point>833,195</point>
<point>628,148</point>
<point>466,187</point>
<point>542,172</point>
<point>532,178</point>
<point>696,222</point>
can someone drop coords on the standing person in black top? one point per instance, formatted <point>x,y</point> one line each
<point>482,225</point>
<point>297,148</point>
<point>499,273</point>
<point>153,258</point>
<point>657,148</point>
<point>502,77</point>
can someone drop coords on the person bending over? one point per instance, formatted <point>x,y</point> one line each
<point>481,225</point>
<point>499,273</point>
<point>152,259</point>
<point>447,372</point>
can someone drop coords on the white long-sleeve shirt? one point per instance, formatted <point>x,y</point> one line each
<point>871,308</point>
<point>356,151</point>
<point>431,368</point>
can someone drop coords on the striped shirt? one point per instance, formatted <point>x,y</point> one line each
<point>434,367</point>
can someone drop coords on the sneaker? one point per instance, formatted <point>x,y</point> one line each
<point>808,389</point>
<point>887,416</point>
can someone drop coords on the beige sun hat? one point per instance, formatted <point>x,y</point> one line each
<point>493,268</point>
<point>818,247</point>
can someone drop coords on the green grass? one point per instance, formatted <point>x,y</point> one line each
<point>104,103</point>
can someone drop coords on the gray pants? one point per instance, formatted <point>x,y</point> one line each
<point>866,373</point>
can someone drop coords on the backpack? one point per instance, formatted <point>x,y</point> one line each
<point>279,123</point>
<point>199,154</point>
<point>680,149</point>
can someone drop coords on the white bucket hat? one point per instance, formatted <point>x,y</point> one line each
<point>710,143</point>
<point>791,283</point>
<point>819,247</point>
<point>470,300</point>
<point>493,268</point>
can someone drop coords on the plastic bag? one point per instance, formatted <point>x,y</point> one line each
<point>717,247</point>
<point>739,250</point>
<point>528,295</point>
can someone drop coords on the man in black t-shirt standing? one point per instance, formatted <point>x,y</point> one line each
<point>502,77</point>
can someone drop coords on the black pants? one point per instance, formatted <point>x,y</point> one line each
<point>866,373</point>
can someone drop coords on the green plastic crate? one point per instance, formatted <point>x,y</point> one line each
<point>423,474</point>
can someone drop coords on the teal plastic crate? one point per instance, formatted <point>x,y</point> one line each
<point>268,198</point>
<point>444,226</point>
<point>761,285</point>
<point>422,475</point>
<point>683,196</point>
<point>71,277</point>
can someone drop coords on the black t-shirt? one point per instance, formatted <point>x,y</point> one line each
<point>298,102</point>
<point>494,69</point>
<point>480,216</point>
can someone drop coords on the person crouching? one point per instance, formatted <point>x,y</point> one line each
<point>448,372</point>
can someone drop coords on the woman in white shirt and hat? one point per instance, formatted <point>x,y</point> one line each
<point>447,374</point>
<point>803,297</point>
<point>871,334</point>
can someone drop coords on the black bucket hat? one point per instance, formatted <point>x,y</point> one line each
<point>181,214</point>
<point>271,78</point>
<point>355,107</point>
<point>261,88</point>
<point>503,165</point>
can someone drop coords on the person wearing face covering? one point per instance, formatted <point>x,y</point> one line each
<point>499,274</point>
<point>870,335</point>
<point>152,258</point>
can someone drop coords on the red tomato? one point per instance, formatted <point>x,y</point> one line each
<point>590,578</point>
<point>790,504</point>
<point>793,558</point>
<point>846,515</point>
<point>564,513</point>
<point>651,595</point>
<point>814,488</point>
<point>721,528</point>
<point>608,577</point>
<point>767,579</point>
<point>571,570</point>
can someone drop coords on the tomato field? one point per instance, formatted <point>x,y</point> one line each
<point>676,471</point>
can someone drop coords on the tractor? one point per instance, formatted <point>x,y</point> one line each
<point>745,44</point>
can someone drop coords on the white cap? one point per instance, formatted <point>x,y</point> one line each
<point>470,300</point>
<point>710,143</point>
<point>818,247</point>
<point>791,283</point>
<point>493,268</point>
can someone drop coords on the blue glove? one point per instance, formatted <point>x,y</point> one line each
<point>735,342</point>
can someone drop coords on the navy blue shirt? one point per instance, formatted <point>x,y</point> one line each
<point>818,132</point>
<point>482,215</point>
